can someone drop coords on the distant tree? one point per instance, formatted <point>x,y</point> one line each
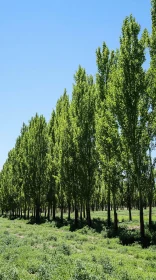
<point>51,168</point>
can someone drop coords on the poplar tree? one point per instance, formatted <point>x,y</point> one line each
<point>62,150</point>
<point>83,131</point>
<point>151,89</point>
<point>107,136</point>
<point>130,94</point>
<point>51,168</point>
<point>37,161</point>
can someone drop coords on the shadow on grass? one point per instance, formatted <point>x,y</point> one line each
<point>126,235</point>
<point>97,224</point>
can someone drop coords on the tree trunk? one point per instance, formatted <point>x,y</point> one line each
<point>142,230</point>
<point>45,212</point>
<point>129,207</point>
<point>152,186</point>
<point>93,206</point>
<point>28,212</point>
<point>84,212</point>
<point>25,210</point>
<point>81,212</point>
<point>115,214</point>
<point>21,213</point>
<point>129,202</point>
<point>76,215</point>
<point>54,210</point>
<point>69,210</point>
<point>130,213</point>
<point>48,212</point>
<point>88,214</point>
<point>150,213</point>
<point>34,212</point>
<point>62,213</point>
<point>102,205</point>
<point>37,214</point>
<point>108,208</point>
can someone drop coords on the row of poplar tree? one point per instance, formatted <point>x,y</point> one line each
<point>95,152</point>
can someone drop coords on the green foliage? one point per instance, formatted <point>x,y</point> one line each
<point>128,237</point>
<point>95,153</point>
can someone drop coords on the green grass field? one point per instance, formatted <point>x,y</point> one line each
<point>48,252</point>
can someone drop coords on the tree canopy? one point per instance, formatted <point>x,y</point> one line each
<point>96,150</point>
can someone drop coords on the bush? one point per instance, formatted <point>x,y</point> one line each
<point>43,273</point>
<point>107,266</point>
<point>153,238</point>
<point>81,273</point>
<point>84,230</point>
<point>153,226</point>
<point>111,232</point>
<point>65,249</point>
<point>70,236</point>
<point>9,273</point>
<point>51,238</point>
<point>146,241</point>
<point>127,237</point>
<point>125,275</point>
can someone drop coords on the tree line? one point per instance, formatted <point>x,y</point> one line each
<point>96,150</point>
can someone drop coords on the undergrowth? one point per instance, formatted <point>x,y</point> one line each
<point>49,251</point>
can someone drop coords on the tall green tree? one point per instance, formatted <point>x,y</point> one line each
<point>107,134</point>
<point>151,90</point>
<point>62,153</point>
<point>83,131</point>
<point>51,168</point>
<point>37,161</point>
<point>131,104</point>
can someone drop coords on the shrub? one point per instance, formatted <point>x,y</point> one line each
<point>111,232</point>
<point>43,273</point>
<point>70,236</point>
<point>127,237</point>
<point>124,275</point>
<point>51,237</point>
<point>81,273</point>
<point>65,249</point>
<point>147,239</point>
<point>153,238</point>
<point>9,273</point>
<point>6,232</point>
<point>106,265</point>
<point>84,230</point>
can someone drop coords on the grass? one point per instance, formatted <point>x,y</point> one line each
<point>48,252</point>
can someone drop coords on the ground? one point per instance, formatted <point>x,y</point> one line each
<point>49,251</point>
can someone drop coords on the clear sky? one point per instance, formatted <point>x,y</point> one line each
<point>41,45</point>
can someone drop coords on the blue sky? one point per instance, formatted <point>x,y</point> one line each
<point>41,45</point>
